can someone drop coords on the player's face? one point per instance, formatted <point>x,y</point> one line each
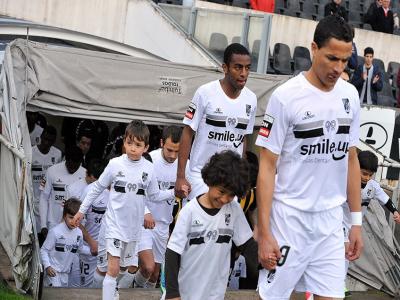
<point>366,175</point>
<point>170,150</point>
<point>218,196</point>
<point>46,141</point>
<point>72,166</point>
<point>68,219</point>
<point>134,148</point>
<point>329,61</point>
<point>84,144</point>
<point>237,71</point>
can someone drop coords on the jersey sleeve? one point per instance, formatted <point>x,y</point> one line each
<point>48,245</point>
<point>154,193</point>
<point>355,125</point>
<point>179,236</point>
<point>274,126</point>
<point>380,194</point>
<point>252,120</point>
<point>195,111</point>
<point>241,228</point>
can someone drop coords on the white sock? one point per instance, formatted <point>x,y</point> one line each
<point>120,275</point>
<point>126,280</point>
<point>150,285</point>
<point>140,280</point>
<point>109,285</point>
<point>97,280</point>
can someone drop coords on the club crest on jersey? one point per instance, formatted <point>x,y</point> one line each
<point>144,176</point>
<point>330,126</point>
<point>227,219</point>
<point>211,235</point>
<point>53,160</point>
<point>266,126</point>
<point>346,105</point>
<point>191,111</point>
<point>248,109</point>
<point>369,192</point>
<point>117,243</point>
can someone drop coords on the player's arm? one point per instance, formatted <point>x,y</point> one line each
<point>267,245</point>
<point>385,200</point>
<point>184,150</point>
<point>44,204</point>
<point>89,240</point>
<point>354,201</point>
<point>250,252</point>
<point>48,245</point>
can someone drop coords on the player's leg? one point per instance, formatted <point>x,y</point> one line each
<point>152,282</point>
<point>160,240</point>
<point>146,267</point>
<point>114,249</point>
<point>75,274</point>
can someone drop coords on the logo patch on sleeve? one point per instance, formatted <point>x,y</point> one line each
<point>266,126</point>
<point>191,110</point>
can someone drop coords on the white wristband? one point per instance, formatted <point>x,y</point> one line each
<point>356,218</point>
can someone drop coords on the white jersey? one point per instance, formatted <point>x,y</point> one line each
<point>54,193</point>
<point>239,271</point>
<point>311,131</point>
<point>204,243</point>
<point>35,135</point>
<point>61,246</point>
<point>77,188</point>
<point>166,177</point>
<point>40,163</point>
<point>131,181</point>
<point>220,123</point>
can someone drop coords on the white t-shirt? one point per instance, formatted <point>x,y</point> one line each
<point>131,181</point>
<point>61,246</point>
<point>239,271</point>
<point>54,193</point>
<point>204,243</point>
<point>372,190</point>
<point>311,131</point>
<point>166,177</point>
<point>35,135</point>
<point>40,163</point>
<point>220,123</point>
<point>77,188</point>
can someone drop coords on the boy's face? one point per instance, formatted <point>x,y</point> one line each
<point>366,175</point>
<point>68,219</point>
<point>84,144</point>
<point>218,196</point>
<point>134,148</point>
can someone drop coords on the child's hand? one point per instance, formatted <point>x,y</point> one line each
<point>77,219</point>
<point>51,272</point>
<point>396,217</point>
<point>149,222</point>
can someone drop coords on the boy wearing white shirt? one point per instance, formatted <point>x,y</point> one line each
<point>132,178</point>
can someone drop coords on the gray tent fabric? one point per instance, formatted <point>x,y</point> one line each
<point>88,84</point>
<point>379,264</point>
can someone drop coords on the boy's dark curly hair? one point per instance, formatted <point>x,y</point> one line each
<point>229,170</point>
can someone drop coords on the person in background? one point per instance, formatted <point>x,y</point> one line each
<point>335,8</point>
<point>263,5</point>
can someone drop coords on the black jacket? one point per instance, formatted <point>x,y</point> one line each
<point>334,9</point>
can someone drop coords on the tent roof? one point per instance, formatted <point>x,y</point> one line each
<point>89,84</point>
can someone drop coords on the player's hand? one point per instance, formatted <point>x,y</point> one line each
<point>396,217</point>
<point>93,247</point>
<point>51,272</point>
<point>44,232</point>
<point>364,75</point>
<point>182,188</point>
<point>77,218</point>
<point>149,222</point>
<point>355,243</point>
<point>268,251</point>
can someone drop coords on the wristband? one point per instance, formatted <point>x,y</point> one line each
<point>356,218</point>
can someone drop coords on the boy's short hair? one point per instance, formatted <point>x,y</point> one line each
<point>173,132</point>
<point>368,161</point>
<point>229,170</point>
<point>368,50</point>
<point>234,48</point>
<point>84,133</point>
<point>73,153</point>
<point>332,26</point>
<point>71,206</point>
<point>137,129</point>
<point>95,167</point>
<point>50,130</point>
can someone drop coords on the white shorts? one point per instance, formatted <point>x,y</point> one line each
<point>75,274</point>
<point>155,239</point>
<point>312,248</point>
<point>87,269</point>
<point>125,252</point>
<point>197,184</point>
<point>60,280</point>
<point>346,221</point>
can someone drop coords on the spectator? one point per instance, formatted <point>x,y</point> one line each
<point>383,20</point>
<point>372,11</point>
<point>335,8</point>
<point>398,91</point>
<point>263,5</point>
<point>367,79</point>
<point>353,62</point>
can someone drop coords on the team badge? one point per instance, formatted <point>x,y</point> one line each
<point>330,126</point>
<point>117,243</point>
<point>266,126</point>
<point>144,176</point>
<point>191,111</point>
<point>53,160</point>
<point>346,105</point>
<point>248,109</point>
<point>231,122</point>
<point>369,192</point>
<point>227,219</point>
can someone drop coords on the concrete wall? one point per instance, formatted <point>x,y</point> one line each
<point>134,22</point>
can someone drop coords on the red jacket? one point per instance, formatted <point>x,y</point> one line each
<point>263,5</point>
